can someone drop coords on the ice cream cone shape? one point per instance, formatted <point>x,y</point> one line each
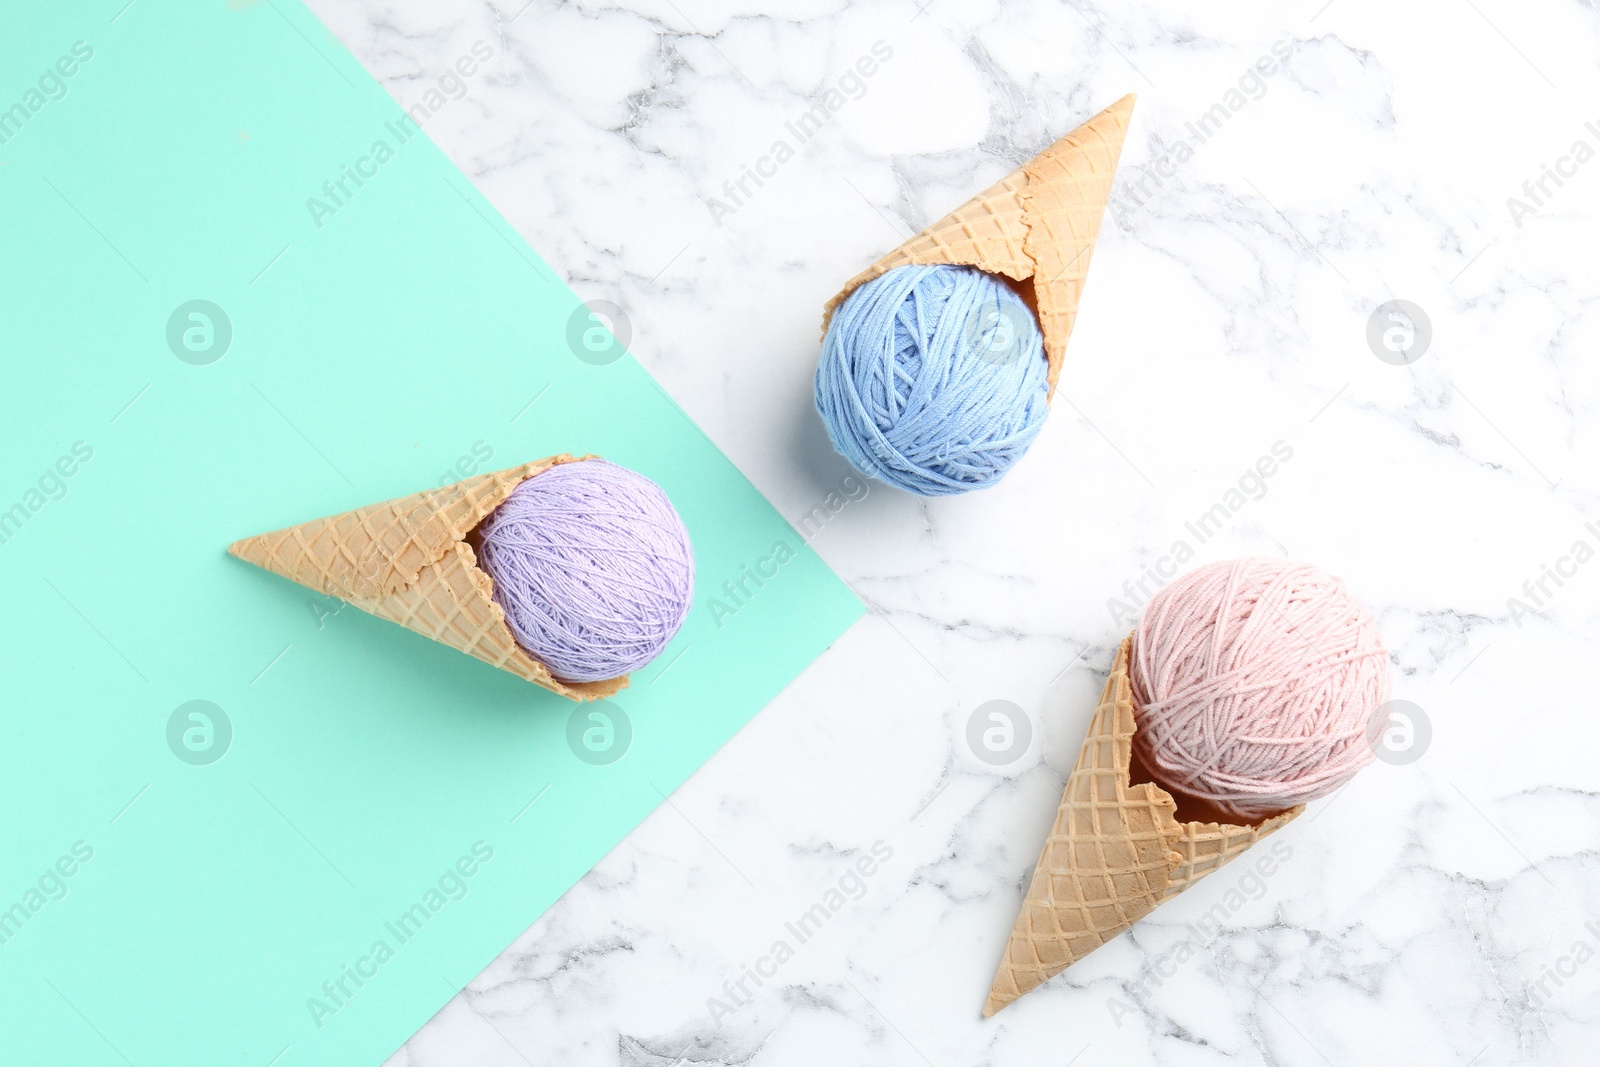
<point>1038,223</point>
<point>1115,851</point>
<point>408,560</point>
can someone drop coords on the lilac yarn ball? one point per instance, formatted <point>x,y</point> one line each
<point>592,566</point>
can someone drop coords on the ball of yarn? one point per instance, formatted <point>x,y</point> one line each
<point>933,379</point>
<point>592,566</point>
<point>1254,681</point>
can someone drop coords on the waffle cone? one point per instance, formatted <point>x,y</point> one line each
<point>407,560</point>
<point>1039,222</point>
<point>1116,851</point>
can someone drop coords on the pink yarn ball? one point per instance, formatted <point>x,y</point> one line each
<point>1254,681</point>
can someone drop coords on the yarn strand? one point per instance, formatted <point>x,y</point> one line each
<point>592,566</point>
<point>933,379</point>
<point>1254,681</point>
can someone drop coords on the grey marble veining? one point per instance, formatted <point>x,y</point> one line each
<point>1441,911</point>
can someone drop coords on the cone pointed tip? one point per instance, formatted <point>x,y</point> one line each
<point>997,1000</point>
<point>1120,112</point>
<point>252,551</point>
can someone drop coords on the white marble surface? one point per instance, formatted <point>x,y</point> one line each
<point>1422,907</point>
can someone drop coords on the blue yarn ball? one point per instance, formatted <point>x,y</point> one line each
<point>933,379</point>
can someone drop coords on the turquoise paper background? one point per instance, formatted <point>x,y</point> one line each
<point>368,357</point>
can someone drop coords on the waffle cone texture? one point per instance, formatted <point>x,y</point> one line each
<point>1039,222</point>
<point>1115,851</point>
<point>407,560</point>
